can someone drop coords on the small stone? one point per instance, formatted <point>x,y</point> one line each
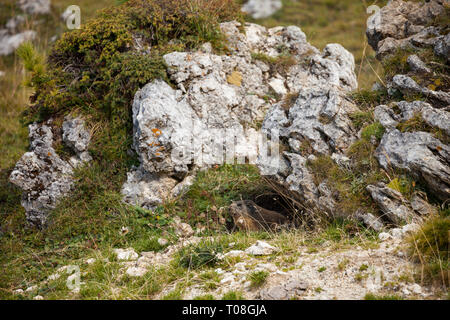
<point>183,229</point>
<point>227,278</point>
<point>397,233</point>
<point>417,65</point>
<point>163,242</point>
<point>126,254</point>
<point>18,291</point>
<point>261,248</point>
<point>38,298</point>
<point>54,276</point>
<point>415,288</point>
<point>32,288</point>
<point>136,271</point>
<point>90,261</point>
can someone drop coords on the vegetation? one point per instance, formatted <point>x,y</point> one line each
<point>258,278</point>
<point>95,72</point>
<point>430,247</point>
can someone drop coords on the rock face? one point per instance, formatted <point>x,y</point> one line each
<point>319,120</point>
<point>210,118</point>
<point>42,174</point>
<point>422,155</point>
<point>402,24</point>
<point>259,9</point>
<point>35,6</point>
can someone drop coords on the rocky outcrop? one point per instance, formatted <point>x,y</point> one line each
<point>211,115</point>
<point>260,9</point>
<point>423,156</point>
<point>392,204</point>
<point>42,174</point>
<point>402,24</point>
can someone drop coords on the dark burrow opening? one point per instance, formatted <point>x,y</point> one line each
<point>272,201</point>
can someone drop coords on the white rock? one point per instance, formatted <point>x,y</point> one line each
<point>136,271</point>
<point>415,288</point>
<point>18,291</point>
<point>261,248</point>
<point>126,254</point>
<point>163,242</point>
<point>32,288</point>
<point>259,9</point>
<point>54,276</point>
<point>90,261</point>
<point>383,236</point>
<point>227,278</point>
<point>234,253</point>
<point>38,298</point>
<point>9,43</point>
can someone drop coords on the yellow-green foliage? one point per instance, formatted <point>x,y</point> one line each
<point>95,67</point>
<point>430,247</point>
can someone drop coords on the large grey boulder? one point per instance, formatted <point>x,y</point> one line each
<point>211,115</point>
<point>422,155</point>
<point>402,24</point>
<point>42,174</point>
<point>259,9</point>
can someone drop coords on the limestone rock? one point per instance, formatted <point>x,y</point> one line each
<point>422,155</point>
<point>126,254</point>
<point>35,6</point>
<point>147,190</point>
<point>260,9</point>
<point>408,86</point>
<point>10,42</point>
<point>391,203</point>
<point>42,174</point>
<point>207,120</point>
<point>261,248</point>
<point>403,24</point>
<point>293,288</point>
<point>417,65</point>
<point>371,221</point>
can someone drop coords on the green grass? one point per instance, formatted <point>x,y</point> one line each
<point>258,278</point>
<point>233,295</point>
<point>371,296</point>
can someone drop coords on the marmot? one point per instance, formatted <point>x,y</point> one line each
<point>248,216</point>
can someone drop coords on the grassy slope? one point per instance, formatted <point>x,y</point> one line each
<point>29,256</point>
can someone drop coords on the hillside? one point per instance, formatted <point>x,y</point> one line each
<point>112,176</point>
